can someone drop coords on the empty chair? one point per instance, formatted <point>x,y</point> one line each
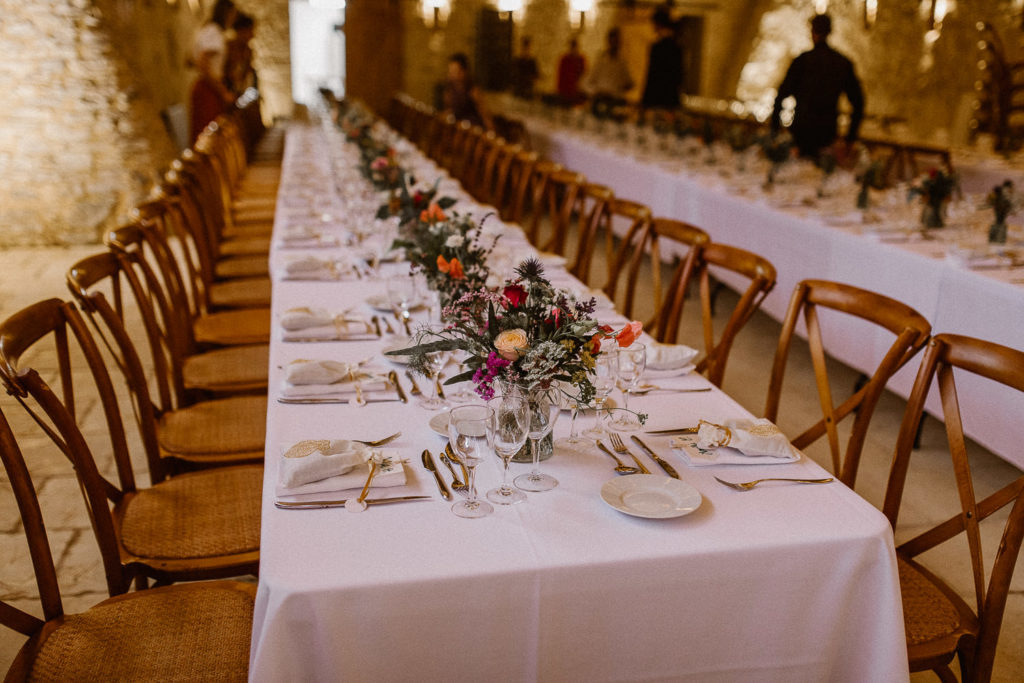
<point>199,525</point>
<point>520,177</point>
<point>911,332</point>
<point>626,251</point>
<point>188,632</point>
<point>494,184</point>
<point>940,625</point>
<point>683,240</point>
<point>590,211</point>
<point>190,434</point>
<point>553,214</point>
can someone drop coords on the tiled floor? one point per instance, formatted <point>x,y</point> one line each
<point>27,275</point>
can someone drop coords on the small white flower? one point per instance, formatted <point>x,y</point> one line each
<point>454,241</point>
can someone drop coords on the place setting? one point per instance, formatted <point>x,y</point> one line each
<point>311,381</point>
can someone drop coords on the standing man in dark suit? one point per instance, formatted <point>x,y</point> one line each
<point>665,67</point>
<point>816,79</point>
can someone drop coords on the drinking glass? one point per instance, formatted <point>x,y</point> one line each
<point>544,407</point>
<point>605,369</point>
<point>511,427</point>
<point>470,429</point>
<point>631,363</point>
<point>402,297</point>
<point>434,363</point>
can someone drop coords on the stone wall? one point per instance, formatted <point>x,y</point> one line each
<point>81,138</point>
<point>923,80</point>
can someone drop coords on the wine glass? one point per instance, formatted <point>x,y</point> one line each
<point>631,363</point>
<point>402,297</point>
<point>434,362</point>
<point>544,407</point>
<point>465,393</point>
<point>605,371</point>
<point>511,427</point>
<point>470,429</point>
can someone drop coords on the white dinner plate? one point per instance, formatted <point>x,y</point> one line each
<point>439,423</point>
<point>652,496</point>
<point>379,302</point>
<point>397,344</point>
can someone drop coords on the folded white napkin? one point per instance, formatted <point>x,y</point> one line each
<point>390,473</point>
<point>316,459</point>
<point>736,442</point>
<point>669,356</point>
<point>326,377</point>
<point>312,268</point>
<point>317,323</point>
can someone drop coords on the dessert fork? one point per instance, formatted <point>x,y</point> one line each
<point>747,485</point>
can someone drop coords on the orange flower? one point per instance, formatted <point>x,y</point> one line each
<point>628,334</point>
<point>432,214</point>
<point>452,268</point>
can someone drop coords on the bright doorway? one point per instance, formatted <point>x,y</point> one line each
<point>317,48</point>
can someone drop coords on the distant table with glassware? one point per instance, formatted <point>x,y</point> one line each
<point>783,583</point>
<point>960,284</point>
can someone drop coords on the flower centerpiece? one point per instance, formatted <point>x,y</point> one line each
<point>1003,202</point>
<point>450,251</point>
<point>935,190</point>
<point>410,205</point>
<point>527,334</point>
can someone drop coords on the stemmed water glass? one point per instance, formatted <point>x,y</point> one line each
<point>605,370</point>
<point>511,426</point>
<point>544,407</point>
<point>631,363</point>
<point>402,297</point>
<point>470,429</point>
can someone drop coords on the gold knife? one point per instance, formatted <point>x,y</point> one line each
<point>415,387</point>
<point>428,463</point>
<point>674,430</point>
<point>440,389</point>
<point>669,470</point>
<point>316,504</point>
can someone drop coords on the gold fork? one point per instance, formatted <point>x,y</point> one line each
<point>621,448</point>
<point>747,485</point>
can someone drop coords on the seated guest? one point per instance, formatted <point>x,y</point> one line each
<point>609,80</point>
<point>524,71</point>
<point>816,79</point>
<point>460,95</point>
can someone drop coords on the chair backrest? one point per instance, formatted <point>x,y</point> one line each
<point>520,176</point>
<point>555,211</point>
<point>683,240</point>
<point>494,185</point>
<point>910,329</point>
<point>58,410</point>
<point>20,483</point>
<point>945,354</point>
<point>590,211</point>
<point>625,255</point>
<point>481,165</point>
<point>442,136</point>
<point>462,160</point>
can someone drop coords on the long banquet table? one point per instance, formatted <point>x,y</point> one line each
<point>785,583</point>
<point>802,244</point>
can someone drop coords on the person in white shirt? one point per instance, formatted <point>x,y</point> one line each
<point>609,80</point>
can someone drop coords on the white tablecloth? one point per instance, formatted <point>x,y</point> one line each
<point>988,304</point>
<point>784,583</point>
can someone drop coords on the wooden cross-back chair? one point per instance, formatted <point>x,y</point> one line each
<point>482,158</point>
<point>496,185</point>
<point>243,291</point>
<point>189,434</point>
<point>590,209</point>
<point>463,144</point>
<point>423,121</point>
<point>704,261</point>
<point>160,220</point>
<point>232,370</point>
<point>549,224</point>
<point>251,204</point>
<point>442,145</point>
<point>940,625</point>
<point>195,526</point>
<point>625,255</point>
<point>520,173</point>
<point>911,332</point>
<point>191,631</point>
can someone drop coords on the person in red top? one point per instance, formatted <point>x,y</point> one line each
<point>570,71</point>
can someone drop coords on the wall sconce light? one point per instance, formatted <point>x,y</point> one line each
<point>578,12</point>
<point>435,13</point>
<point>870,13</point>
<point>514,8</point>
<point>820,6</point>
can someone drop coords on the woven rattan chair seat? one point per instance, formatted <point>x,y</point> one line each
<point>229,425</point>
<point>927,612</point>
<point>250,326</point>
<point>242,266</point>
<point>244,246</point>
<point>198,634</point>
<point>208,514</point>
<point>247,292</point>
<point>237,368</point>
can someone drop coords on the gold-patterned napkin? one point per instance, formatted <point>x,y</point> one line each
<point>736,442</point>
